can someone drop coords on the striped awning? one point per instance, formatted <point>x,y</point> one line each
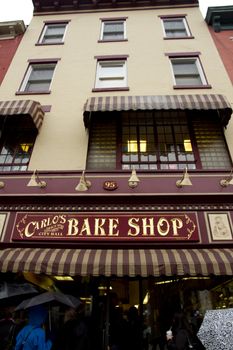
<point>158,102</point>
<point>23,107</point>
<point>118,262</point>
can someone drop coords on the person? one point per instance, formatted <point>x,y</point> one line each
<point>33,336</point>
<point>181,336</point>
<point>73,335</point>
<point>134,329</point>
<point>8,329</point>
<point>156,336</point>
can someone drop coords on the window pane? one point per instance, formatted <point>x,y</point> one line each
<point>188,67</point>
<point>37,86</point>
<point>186,72</point>
<point>40,78</point>
<point>18,140</point>
<point>102,143</point>
<point>113,31</point>
<point>111,74</point>
<point>175,27</point>
<point>42,72</point>
<point>54,33</point>
<point>55,30</point>
<point>156,140</point>
<point>211,144</point>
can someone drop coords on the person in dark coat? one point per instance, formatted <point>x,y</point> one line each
<point>181,333</point>
<point>8,329</point>
<point>33,335</point>
<point>183,338</point>
<point>134,329</point>
<point>73,335</point>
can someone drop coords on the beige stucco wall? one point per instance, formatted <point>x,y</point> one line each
<point>62,142</point>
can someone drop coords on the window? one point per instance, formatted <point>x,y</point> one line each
<point>38,78</point>
<point>175,28</point>
<point>16,143</point>
<point>151,140</point>
<point>53,33</point>
<point>113,30</point>
<point>187,71</point>
<point>111,74</point>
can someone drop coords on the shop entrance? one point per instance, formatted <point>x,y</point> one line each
<point>123,313</point>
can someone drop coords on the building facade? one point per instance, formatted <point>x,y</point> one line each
<point>116,160</point>
<point>220,22</point>
<point>11,34</point>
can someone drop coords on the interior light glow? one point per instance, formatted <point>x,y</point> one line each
<point>133,146</point>
<point>104,287</point>
<point>146,299</point>
<point>195,278</point>
<point>165,282</point>
<point>63,278</point>
<point>25,147</point>
<point>183,279</point>
<point>142,145</point>
<point>188,146</point>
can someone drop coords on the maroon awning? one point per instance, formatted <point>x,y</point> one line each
<point>158,102</point>
<point>21,108</point>
<point>118,262</point>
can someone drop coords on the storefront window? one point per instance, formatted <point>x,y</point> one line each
<point>157,140</point>
<point>138,311</point>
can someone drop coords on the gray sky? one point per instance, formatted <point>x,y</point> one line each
<point>22,9</point>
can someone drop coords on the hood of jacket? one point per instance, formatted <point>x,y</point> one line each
<point>37,315</point>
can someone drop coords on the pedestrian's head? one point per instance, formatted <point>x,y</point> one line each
<point>133,313</point>
<point>37,315</point>
<point>70,314</point>
<point>7,312</point>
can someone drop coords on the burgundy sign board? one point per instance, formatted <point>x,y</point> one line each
<point>149,227</point>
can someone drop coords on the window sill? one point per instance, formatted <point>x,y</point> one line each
<point>179,37</point>
<point>48,44</point>
<point>110,89</point>
<point>32,92</point>
<point>192,86</point>
<point>112,41</point>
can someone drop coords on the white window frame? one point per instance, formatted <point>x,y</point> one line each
<point>174,19</point>
<point>118,79</point>
<point>47,25</point>
<point>104,22</point>
<point>198,66</point>
<point>29,72</point>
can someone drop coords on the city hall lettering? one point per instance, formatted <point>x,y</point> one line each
<point>81,227</point>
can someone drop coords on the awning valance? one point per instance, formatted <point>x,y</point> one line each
<point>118,262</point>
<point>23,107</point>
<point>158,102</point>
